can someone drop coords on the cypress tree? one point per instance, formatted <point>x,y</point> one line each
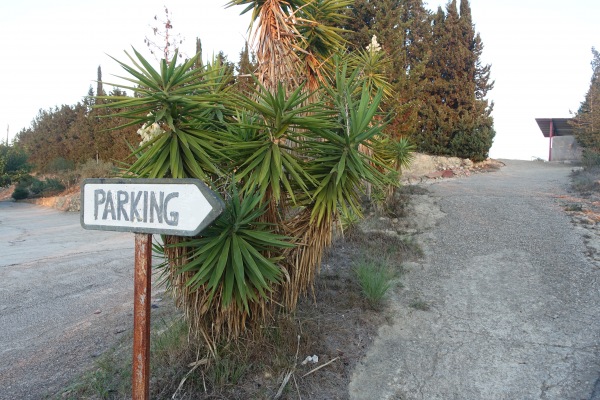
<point>245,70</point>
<point>429,134</point>
<point>359,24</point>
<point>440,84</point>
<point>456,118</point>
<point>99,89</point>
<point>473,136</point>
<point>199,63</point>
<point>409,64</point>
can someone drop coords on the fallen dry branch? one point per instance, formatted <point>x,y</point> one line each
<point>320,366</point>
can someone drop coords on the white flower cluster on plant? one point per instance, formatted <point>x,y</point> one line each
<point>373,47</point>
<point>149,132</point>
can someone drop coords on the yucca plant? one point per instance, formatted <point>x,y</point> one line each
<point>231,271</point>
<point>338,169</point>
<point>295,39</point>
<point>275,40</point>
<point>395,152</point>
<point>224,277</point>
<point>372,64</point>
<point>280,120</point>
<point>398,153</point>
<point>288,158</point>
<point>318,24</point>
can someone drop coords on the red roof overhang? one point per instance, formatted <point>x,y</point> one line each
<point>560,126</point>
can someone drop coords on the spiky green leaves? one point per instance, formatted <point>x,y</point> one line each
<point>398,153</point>
<point>187,104</point>
<point>278,122</point>
<point>229,259</point>
<point>341,162</point>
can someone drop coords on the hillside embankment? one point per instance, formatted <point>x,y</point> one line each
<point>424,168</point>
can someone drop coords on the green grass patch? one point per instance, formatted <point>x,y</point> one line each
<point>375,279</point>
<point>110,378</point>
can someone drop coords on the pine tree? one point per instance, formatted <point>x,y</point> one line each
<point>586,122</point>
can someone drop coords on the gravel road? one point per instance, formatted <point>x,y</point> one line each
<point>66,295</point>
<point>513,302</point>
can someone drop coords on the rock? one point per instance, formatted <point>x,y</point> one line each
<point>70,202</point>
<point>467,163</point>
<point>434,175</point>
<point>447,173</point>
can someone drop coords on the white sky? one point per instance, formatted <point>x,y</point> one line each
<point>539,51</point>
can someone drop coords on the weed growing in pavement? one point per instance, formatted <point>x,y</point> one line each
<point>573,207</point>
<point>420,304</point>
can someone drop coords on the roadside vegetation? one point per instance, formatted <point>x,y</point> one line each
<point>59,178</point>
<point>336,323</point>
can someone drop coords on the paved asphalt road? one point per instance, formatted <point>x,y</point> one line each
<point>515,304</point>
<point>66,295</point>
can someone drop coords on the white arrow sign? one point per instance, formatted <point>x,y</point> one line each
<point>180,207</point>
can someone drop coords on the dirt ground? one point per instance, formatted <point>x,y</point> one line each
<point>582,203</point>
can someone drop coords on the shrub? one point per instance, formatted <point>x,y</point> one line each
<point>97,169</point>
<point>590,158</point>
<point>60,164</point>
<point>52,186</point>
<point>32,187</point>
<point>472,144</point>
<point>69,178</point>
<point>20,193</point>
<point>36,187</point>
<point>586,181</point>
<point>5,180</point>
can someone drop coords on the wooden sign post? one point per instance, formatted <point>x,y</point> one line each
<point>181,207</point>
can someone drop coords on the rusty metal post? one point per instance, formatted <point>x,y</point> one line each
<point>141,316</point>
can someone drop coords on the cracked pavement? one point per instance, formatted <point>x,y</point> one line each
<point>513,300</point>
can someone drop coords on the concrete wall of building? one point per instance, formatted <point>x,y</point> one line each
<point>565,148</point>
